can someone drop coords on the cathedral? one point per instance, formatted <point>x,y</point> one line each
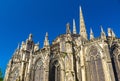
<point>70,57</point>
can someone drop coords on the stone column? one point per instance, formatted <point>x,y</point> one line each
<point>22,68</point>
<point>62,74</point>
<point>56,75</point>
<point>82,64</point>
<point>29,67</point>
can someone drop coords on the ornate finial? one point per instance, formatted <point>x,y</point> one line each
<point>102,29</point>
<point>23,45</point>
<point>46,35</point>
<point>109,32</point>
<point>68,28</point>
<point>103,35</point>
<point>23,42</point>
<point>46,41</point>
<point>74,27</point>
<point>91,34</point>
<point>30,37</point>
<point>83,32</point>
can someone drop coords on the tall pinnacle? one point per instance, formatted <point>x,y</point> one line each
<point>30,37</point>
<point>103,35</point>
<point>68,28</point>
<point>83,32</point>
<point>102,31</point>
<point>74,27</point>
<point>46,41</point>
<point>91,34</point>
<point>111,33</point>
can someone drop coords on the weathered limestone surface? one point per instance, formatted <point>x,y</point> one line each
<point>70,57</point>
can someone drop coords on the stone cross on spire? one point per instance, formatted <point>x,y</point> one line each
<point>83,32</point>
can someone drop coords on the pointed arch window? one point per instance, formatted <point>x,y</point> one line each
<point>55,72</point>
<point>96,66</point>
<point>39,71</point>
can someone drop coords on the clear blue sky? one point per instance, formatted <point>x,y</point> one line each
<point>18,18</point>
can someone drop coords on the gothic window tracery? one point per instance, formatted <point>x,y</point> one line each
<point>55,70</point>
<point>96,67</point>
<point>39,71</point>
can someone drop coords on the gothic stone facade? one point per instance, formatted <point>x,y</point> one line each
<point>70,57</point>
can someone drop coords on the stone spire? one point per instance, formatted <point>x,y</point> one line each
<point>113,34</point>
<point>103,35</point>
<point>91,34</point>
<point>68,28</point>
<point>109,32</point>
<point>74,27</point>
<point>83,32</point>
<point>46,41</point>
<point>30,37</point>
<point>102,31</point>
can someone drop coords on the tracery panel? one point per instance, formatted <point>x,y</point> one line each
<point>39,71</point>
<point>96,71</point>
<point>55,72</point>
